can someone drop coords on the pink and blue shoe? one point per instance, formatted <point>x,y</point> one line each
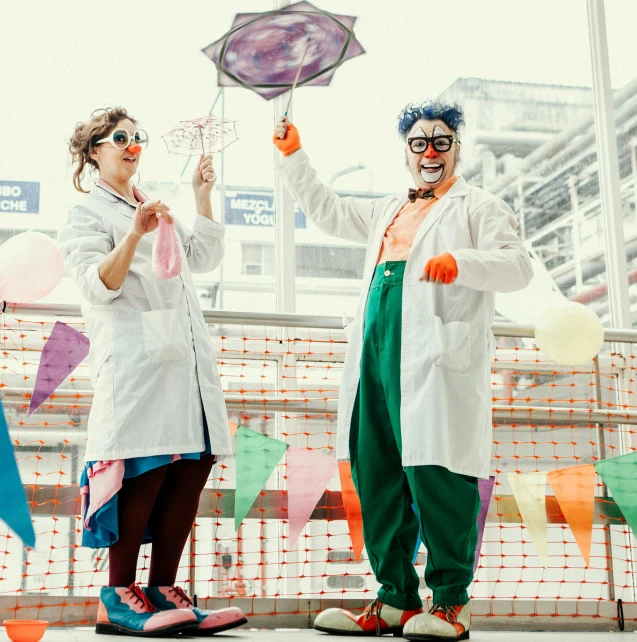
<point>127,611</point>
<point>170,598</point>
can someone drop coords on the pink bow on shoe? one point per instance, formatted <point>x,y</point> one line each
<point>166,251</point>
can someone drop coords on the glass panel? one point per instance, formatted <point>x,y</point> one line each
<point>179,83</point>
<point>620,18</point>
<point>329,262</point>
<point>524,135</point>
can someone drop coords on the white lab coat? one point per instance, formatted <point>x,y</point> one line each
<point>151,358</point>
<point>447,343</point>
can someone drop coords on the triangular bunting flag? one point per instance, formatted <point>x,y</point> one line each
<point>485,488</point>
<point>257,457</point>
<point>619,475</point>
<point>530,494</point>
<point>574,490</point>
<point>233,428</point>
<point>308,474</point>
<point>352,507</point>
<point>14,509</point>
<point>63,351</point>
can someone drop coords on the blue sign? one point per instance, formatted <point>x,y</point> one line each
<point>19,198</point>
<point>256,209</point>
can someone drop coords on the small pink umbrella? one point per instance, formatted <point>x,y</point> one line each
<point>201,135</point>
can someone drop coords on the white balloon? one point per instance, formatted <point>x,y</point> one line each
<point>31,265</point>
<point>570,334</point>
<point>527,306</point>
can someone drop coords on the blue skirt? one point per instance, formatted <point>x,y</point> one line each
<point>103,524</point>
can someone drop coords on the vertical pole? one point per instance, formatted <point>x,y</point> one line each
<point>575,225</point>
<point>72,521</point>
<point>521,214</point>
<point>608,164</point>
<point>222,195</point>
<point>633,166</point>
<point>284,223</point>
<point>285,255</point>
<point>601,454</point>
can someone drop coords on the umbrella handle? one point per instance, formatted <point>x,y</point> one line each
<point>202,145</point>
<point>296,79</point>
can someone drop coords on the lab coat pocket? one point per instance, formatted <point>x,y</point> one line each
<point>451,345</point>
<point>165,337</point>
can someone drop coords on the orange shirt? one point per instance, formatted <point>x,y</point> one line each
<point>400,235</point>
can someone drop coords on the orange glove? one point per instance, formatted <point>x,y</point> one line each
<point>441,269</point>
<point>291,143</point>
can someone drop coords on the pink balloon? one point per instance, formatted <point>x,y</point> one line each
<point>31,265</point>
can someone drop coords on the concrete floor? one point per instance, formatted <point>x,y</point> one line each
<point>296,635</point>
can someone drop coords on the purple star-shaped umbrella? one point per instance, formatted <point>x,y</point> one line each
<point>266,51</point>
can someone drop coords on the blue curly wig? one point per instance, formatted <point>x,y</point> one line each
<point>450,115</point>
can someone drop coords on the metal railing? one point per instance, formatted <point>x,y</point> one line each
<point>294,320</point>
<point>594,416</point>
<point>276,403</point>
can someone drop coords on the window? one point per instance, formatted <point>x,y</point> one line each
<point>330,262</point>
<point>257,259</point>
<point>6,234</point>
<point>317,261</point>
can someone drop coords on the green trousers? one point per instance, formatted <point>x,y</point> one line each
<point>447,503</point>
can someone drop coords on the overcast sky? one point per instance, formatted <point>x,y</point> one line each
<point>61,60</point>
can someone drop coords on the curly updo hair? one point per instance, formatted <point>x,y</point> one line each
<point>450,115</point>
<point>86,135</point>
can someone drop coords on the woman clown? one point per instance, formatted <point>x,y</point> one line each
<point>414,413</point>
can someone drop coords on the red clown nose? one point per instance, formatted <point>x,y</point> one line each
<point>430,152</point>
<point>134,149</point>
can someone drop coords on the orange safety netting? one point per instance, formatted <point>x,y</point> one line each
<point>262,366</point>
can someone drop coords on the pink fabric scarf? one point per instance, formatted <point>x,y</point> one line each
<point>166,254</point>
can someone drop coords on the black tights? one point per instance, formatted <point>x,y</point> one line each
<point>168,498</point>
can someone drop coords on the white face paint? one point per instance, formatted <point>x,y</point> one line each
<point>431,176</point>
<point>430,168</point>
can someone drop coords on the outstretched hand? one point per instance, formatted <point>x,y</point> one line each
<point>440,269</point>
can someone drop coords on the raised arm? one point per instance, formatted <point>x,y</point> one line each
<point>204,246</point>
<point>344,217</point>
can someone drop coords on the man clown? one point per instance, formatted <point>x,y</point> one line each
<point>414,414</point>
